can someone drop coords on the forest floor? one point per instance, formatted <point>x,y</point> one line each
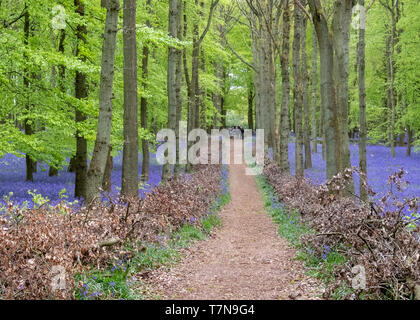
<point>245,259</point>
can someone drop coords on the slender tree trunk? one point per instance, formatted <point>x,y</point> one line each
<point>305,97</point>
<point>178,89</point>
<point>298,90</point>
<point>250,107</point>
<point>130,165</point>
<point>362,108</point>
<point>53,171</point>
<point>203,94</point>
<point>285,96</point>
<point>79,162</point>
<point>194,92</point>
<point>143,107</point>
<point>341,40</point>
<point>106,183</point>
<point>328,96</point>
<point>29,130</point>
<point>100,153</point>
<point>257,80</point>
<point>171,80</point>
<point>81,165</point>
<point>314,92</point>
<point>409,141</point>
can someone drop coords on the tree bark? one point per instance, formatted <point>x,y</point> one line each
<point>143,107</point>
<point>171,77</point>
<point>79,162</point>
<point>106,182</point>
<point>285,96</point>
<point>305,97</point>
<point>409,141</point>
<point>130,165</point>
<point>314,92</point>
<point>102,144</point>
<point>298,90</point>
<point>28,126</point>
<point>251,107</point>
<point>362,108</point>
<point>178,89</point>
<point>328,96</point>
<point>194,92</point>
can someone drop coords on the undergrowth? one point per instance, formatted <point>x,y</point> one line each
<point>291,228</point>
<point>120,281</point>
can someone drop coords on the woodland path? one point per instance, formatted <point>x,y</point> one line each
<point>244,259</point>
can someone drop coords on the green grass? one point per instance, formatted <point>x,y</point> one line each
<point>119,282</point>
<point>291,228</point>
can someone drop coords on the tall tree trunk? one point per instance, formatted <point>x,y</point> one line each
<point>178,89</point>
<point>314,92</point>
<point>257,79</point>
<point>362,107</point>
<point>171,80</point>
<point>250,107</point>
<point>102,144</point>
<point>130,165</point>
<point>285,96</point>
<point>341,40</point>
<point>106,182</point>
<point>53,171</point>
<point>298,90</point>
<point>409,141</point>
<point>394,9</point>
<point>203,94</point>
<point>217,97</point>
<point>194,92</point>
<point>305,98</point>
<point>79,163</point>
<point>143,107</point>
<point>28,126</point>
<point>328,96</point>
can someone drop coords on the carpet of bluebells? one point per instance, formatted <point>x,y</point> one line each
<point>13,173</point>
<point>380,165</point>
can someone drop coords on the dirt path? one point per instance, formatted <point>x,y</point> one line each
<point>245,259</point>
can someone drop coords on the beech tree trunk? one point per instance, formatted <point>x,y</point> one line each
<point>194,88</point>
<point>106,183</point>
<point>130,164</point>
<point>305,97</point>
<point>409,140</point>
<point>251,107</point>
<point>28,126</point>
<point>102,144</point>
<point>81,92</point>
<point>143,107</point>
<point>314,92</point>
<point>341,41</point>
<point>52,170</point>
<point>285,95</point>
<point>171,80</point>
<point>298,90</point>
<point>362,108</point>
<point>328,96</point>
